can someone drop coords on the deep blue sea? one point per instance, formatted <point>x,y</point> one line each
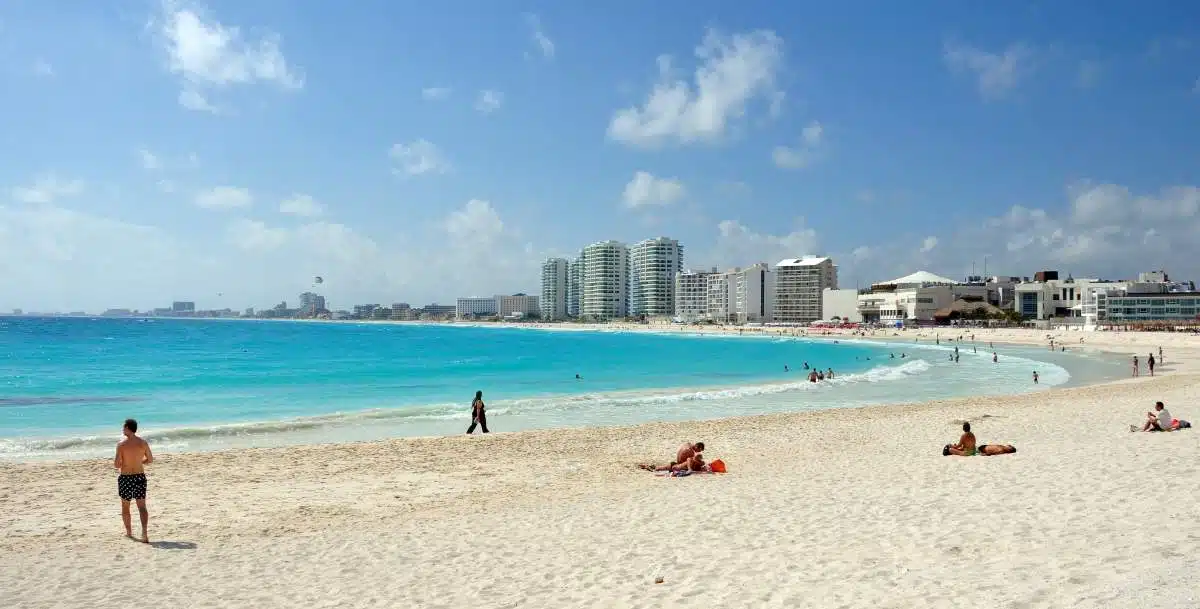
<point>66,384</point>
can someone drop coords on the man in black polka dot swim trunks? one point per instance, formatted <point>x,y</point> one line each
<point>133,454</point>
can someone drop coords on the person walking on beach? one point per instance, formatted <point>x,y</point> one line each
<point>1150,364</point>
<point>133,455</point>
<point>1135,365</point>
<point>477,415</point>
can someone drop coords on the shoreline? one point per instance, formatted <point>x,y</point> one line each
<point>562,518</point>
<point>205,437</point>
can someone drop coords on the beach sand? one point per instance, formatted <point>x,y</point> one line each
<point>841,508</point>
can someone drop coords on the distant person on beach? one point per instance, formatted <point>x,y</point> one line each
<point>478,417</point>
<point>995,359</point>
<point>990,450</point>
<point>133,455</point>
<point>687,451</point>
<point>1160,359</point>
<point>965,446</point>
<point>1135,365</point>
<point>1035,377</point>
<point>1150,364</point>
<point>1159,420</point>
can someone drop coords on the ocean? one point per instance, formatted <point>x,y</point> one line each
<point>66,384</point>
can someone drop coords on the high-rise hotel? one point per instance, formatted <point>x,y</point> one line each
<point>799,287</point>
<point>604,281</point>
<point>653,265</point>
<point>556,282</point>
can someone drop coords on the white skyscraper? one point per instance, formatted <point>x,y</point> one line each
<point>653,265</point>
<point>754,294</point>
<point>799,283</point>
<point>691,295</point>
<point>555,285</point>
<point>574,278</point>
<point>604,281</point>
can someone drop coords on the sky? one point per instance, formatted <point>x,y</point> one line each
<point>227,152</point>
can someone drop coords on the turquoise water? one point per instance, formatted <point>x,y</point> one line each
<point>66,384</point>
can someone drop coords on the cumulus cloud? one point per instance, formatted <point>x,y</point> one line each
<point>996,73</point>
<point>733,72</point>
<point>416,158</point>
<point>208,55</point>
<point>302,205</point>
<point>805,153</point>
<point>645,189</point>
<point>47,188</point>
<point>224,197</point>
<point>541,41</point>
<point>489,101</point>
<point>435,93</point>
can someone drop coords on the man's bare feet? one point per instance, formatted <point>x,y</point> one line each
<point>144,539</point>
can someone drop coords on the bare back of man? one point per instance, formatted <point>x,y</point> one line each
<point>133,454</point>
<point>687,451</point>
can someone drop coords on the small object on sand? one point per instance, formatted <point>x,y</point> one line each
<point>658,580</point>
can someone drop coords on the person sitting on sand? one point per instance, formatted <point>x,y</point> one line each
<point>1159,420</point>
<point>687,451</point>
<point>965,446</point>
<point>989,450</point>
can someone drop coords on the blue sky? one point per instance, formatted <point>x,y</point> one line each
<point>422,151</point>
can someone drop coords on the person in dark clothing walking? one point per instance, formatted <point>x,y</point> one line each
<point>477,415</point>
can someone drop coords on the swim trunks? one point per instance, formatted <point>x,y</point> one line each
<point>131,486</point>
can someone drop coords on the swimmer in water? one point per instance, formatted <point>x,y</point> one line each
<point>578,378</point>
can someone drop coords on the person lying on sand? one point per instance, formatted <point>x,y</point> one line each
<point>694,463</point>
<point>989,450</point>
<point>965,446</point>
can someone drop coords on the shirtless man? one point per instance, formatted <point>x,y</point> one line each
<point>966,444</point>
<point>991,450</point>
<point>687,451</point>
<point>133,454</point>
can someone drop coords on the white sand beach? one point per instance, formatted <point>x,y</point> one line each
<point>830,509</point>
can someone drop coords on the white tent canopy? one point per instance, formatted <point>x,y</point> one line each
<point>918,278</point>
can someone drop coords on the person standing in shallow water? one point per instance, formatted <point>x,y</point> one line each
<point>477,415</point>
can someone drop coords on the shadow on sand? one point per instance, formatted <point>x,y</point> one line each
<point>173,545</point>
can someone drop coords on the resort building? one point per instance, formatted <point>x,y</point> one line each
<point>467,308</point>
<point>653,265</point>
<point>753,294</point>
<point>721,297</point>
<point>841,304</point>
<point>517,306</point>
<point>691,295</point>
<point>914,298</point>
<point>310,303</point>
<point>1048,297</point>
<point>555,285</point>
<point>604,281</point>
<point>799,284</point>
<point>402,311</point>
<point>574,276</point>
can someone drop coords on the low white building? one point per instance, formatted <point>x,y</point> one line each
<point>914,298</point>
<point>517,305</point>
<point>475,306</point>
<point>1048,297</point>
<point>691,295</point>
<point>841,304</point>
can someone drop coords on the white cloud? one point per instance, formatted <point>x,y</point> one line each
<point>996,74</point>
<point>207,54</point>
<point>302,205</point>
<point>47,188</point>
<point>489,101</point>
<point>738,246</point>
<point>733,72</point>
<point>253,235</point>
<point>544,45</point>
<point>41,67</point>
<point>803,155</point>
<point>645,189</point>
<point>435,93</point>
<point>928,244</point>
<point>224,197</point>
<point>477,222</point>
<point>149,160</point>
<point>418,158</point>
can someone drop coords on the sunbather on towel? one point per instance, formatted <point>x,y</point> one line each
<point>989,450</point>
<point>695,463</point>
